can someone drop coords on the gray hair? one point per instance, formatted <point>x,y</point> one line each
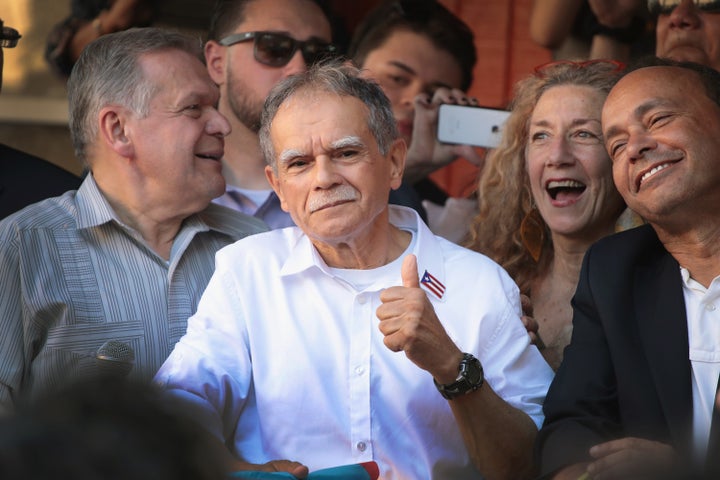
<point>339,79</point>
<point>108,72</point>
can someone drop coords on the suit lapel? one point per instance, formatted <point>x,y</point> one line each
<point>662,323</point>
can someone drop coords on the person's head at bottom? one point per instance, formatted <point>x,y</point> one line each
<point>104,428</point>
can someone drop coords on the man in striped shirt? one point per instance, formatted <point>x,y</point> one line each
<point>126,257</point>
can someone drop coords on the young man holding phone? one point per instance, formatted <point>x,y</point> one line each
<point>422,55</point>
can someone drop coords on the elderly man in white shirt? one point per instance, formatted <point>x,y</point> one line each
<point>357,335</point>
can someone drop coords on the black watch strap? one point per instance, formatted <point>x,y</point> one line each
<point>470,378</point>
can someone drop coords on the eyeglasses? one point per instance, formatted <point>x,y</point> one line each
<point>9,37</point>
<point>276,49</point>
<point>665,7</point>
<point>610,66</point>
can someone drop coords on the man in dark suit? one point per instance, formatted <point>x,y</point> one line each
<point>25,179</point>
<point>635,395</point>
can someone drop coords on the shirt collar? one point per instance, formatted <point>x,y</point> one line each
<point>692,284</point>
<point>94,210</point>
<point>428,250</point>
<point>303,255</point>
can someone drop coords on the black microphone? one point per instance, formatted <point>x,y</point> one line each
<point>115,359</point>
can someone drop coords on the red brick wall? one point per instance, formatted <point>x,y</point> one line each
<point>505,54</point>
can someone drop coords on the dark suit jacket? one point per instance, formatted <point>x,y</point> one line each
<point>26,179</point>
<point>627,369</point>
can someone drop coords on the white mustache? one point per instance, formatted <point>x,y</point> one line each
<point>326,198</point>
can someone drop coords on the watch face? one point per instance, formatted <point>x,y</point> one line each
<point>470,378</point>
<point>472,371</point>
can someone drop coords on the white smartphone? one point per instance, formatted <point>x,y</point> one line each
<point>481,127</point>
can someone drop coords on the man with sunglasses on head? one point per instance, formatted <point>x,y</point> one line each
<point>685,30</point>
<point>688,30</point>
<point>24,178</point>
<point>252,45</point>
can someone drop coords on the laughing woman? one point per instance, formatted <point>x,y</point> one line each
<point>547,193</point>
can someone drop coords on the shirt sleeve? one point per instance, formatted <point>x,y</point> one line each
<point>208,374</point>
<point>11,322</point>
<point>513,366</point>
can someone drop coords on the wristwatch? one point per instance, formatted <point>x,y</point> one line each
<point>470,378</point>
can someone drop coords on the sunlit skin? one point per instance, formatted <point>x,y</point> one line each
<point>570,176</point>
<point>663,143</point>
<point>565,149</point>
<point>184,151</point>
<point>245,83</point>
<point>406,65</point>
<point>156,169</point>
<point>688,33</point>
<point>323,147</point>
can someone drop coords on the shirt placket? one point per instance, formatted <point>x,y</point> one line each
<point>359,377</point>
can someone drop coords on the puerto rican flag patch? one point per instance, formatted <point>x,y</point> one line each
<point>432,284</point>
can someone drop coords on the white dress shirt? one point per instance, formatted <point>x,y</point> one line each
<point>284,359</point>
<point>703,317</point>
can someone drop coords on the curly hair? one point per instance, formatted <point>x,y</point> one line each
<point>504,193</point>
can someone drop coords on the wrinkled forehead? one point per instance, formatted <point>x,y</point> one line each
<point>665,7</point>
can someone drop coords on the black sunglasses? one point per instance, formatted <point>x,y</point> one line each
<point>9,37</point>
<point>665,7</point>
<point>276,49</point>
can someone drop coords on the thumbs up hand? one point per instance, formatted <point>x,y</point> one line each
<point>409,323</point>
<point>409,272</point>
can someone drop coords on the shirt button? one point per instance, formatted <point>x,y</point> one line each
<point>359,370</point>
<point>361,446</point>
<point>710,307</point>
<point>362,299</point>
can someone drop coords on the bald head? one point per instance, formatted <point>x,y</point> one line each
<point>661,126</point>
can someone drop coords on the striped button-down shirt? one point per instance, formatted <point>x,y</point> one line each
<point>73,276</point>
